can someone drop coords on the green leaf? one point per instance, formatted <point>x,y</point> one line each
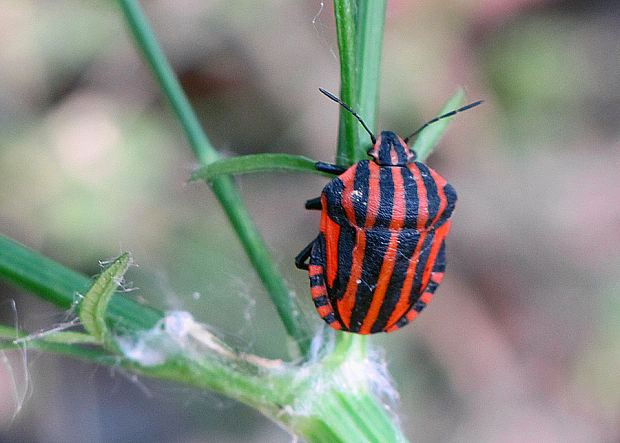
<point>256,163</point>
<point>29,270</point>
<point>95,303</point>
<point>428,138</point>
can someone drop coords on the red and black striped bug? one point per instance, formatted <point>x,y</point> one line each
<point>380,253</point>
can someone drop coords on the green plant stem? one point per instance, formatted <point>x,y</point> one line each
<point>346,33</point>
<point>223,187</point>
<point>360,36</point>
<point>359,28</point>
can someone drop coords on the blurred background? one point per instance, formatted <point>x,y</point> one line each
<point>521,342</point>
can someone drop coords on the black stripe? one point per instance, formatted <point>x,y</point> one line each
<point>416,290</point>
<point>346,244</point>
<point>432,193</point>
<point>386,199</point>
<point>400,152</point>
<point>316,280</point>
<point>385,154</point>
<point>411,199</point>
<point>440,261</point>
<point>431,287</point>
<point>317,255</point>
<point>451,198</point>
<point>333,193</point>
<point>320,301</point>
<point>407,242</point>
<point>330,318</point>
<point>359,197</point>
<point>377,241</point>
<point>418,306</point>
<point>402,322</point>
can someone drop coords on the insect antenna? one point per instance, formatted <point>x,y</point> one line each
<point>345,106</point>
<point>449,114</point>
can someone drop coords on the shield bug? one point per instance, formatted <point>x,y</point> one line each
<point>380,253</point>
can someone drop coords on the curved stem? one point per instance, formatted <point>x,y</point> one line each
<point>223,187</point>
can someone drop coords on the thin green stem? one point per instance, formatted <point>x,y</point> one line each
<point>359,28</point>
<point>223,187</point>
<point>146,40</point>
<point>345,11</point>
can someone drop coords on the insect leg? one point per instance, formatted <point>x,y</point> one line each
<point>329,168</point>
<point>314,203</point>
<point>303,256</point>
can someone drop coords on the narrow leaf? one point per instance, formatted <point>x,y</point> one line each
<point>255,163</point>
<point>369,46</point>
<point>95,303</point>
<point>428,138</point>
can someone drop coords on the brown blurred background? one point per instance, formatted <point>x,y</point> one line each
<point>522,342</point>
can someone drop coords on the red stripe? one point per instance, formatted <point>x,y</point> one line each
<point>315,270</point>
<point>374,194</point>
<point>403,301</point>
<point>440,235</point>
<point>348,178</point>
<point>393,156</point>
<point>331,232</point>
<point>345,305</point>
<point>411,315</point>
<point>399,208</point>
<point>324,310</point>
<point>442,196</point>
